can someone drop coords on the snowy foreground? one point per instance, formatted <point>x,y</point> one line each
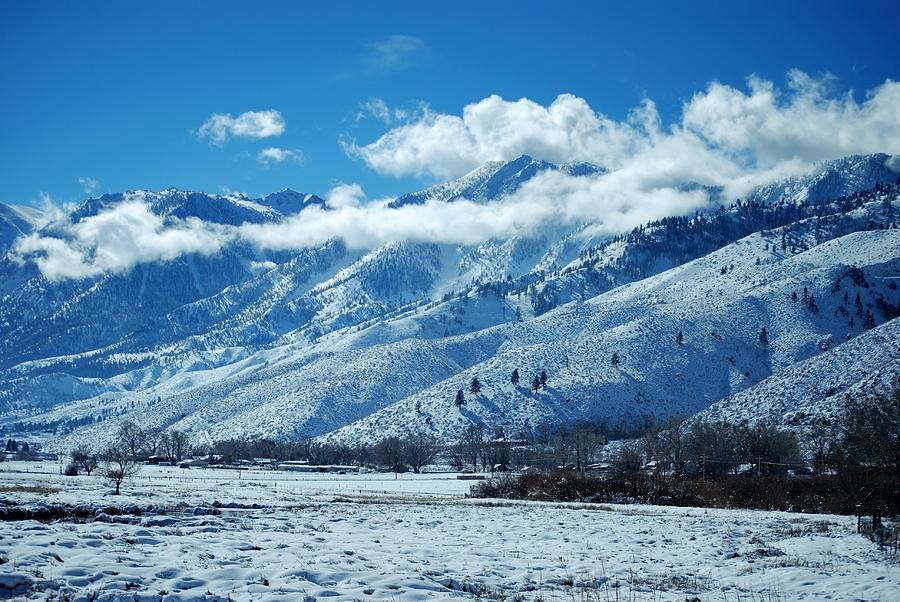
<point>374,537</point>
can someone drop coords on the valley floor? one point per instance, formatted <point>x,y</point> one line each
<point>374,537</point>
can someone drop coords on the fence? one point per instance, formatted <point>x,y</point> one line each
<point>870,524</point>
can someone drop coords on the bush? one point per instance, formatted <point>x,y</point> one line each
<point>839,494</point>
<point>71,470</point>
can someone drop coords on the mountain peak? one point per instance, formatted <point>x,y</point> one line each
<point>289,201</point>
<point>493,180</point>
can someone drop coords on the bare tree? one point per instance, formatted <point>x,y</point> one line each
<point>664,445</point>
<point>119,464</point>
<point>84,460</point>
<point>712,447</point>
<point>768,448</point>
<point>152,441</point>
<point>420,450</point>
<point>872,436</point>
<point>180,444</point>
<point>174,444</point>
<point>131,436</point>
<point>495,454</point>
<point>472,444</point>
<point>586,442</point>
<point>627,461</point>
<point>390,453</point>
<point>821,443</point>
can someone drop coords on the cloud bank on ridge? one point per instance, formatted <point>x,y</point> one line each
<point>727,138</point>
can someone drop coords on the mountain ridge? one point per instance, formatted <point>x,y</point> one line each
<point>247,317</point>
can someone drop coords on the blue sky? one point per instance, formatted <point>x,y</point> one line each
<point>112,96</point>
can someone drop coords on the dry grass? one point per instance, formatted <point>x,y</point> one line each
<point>43,489</point>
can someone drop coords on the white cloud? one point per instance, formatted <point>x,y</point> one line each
<point>89,185</point>
<point>758,129</point>
<point>345,195</point>
<point>115,240</point>
<point>395,52</point>
<point>804,123</point>
<point>727,138</point>
<point>612,204</point>
<point>272,155</point>
<point>379,109</point>
<point>374,107</point>
<point>440,145</point>
<point>252,124</point>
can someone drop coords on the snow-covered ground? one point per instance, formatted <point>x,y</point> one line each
<point>374,537</point>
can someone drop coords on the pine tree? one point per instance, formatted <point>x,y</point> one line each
<point>764,338</point>
<point>868,321</point>
<point>475,386</point>
<point>514,379</point>
<point>615,359</point>
<point>543,377</point>
<point>536,382</point>
<point>679,338</point>
<point>460,398</point>
<point>794,296</point>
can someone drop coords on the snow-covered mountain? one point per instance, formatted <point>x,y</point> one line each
<point>816,389</point>
<point>288,344</point>
<point>15,221</point>
<point>493,180</point>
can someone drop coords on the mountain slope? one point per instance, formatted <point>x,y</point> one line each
<point>15,221</point>
<point>304,343</point>
<point>816,389</point>
<point>384,389</point>
<point>720,315</point>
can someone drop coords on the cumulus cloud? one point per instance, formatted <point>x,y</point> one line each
<point>275,155</point>
<point>345,195</point>
<point>89,185</point>
<point>801,123</point>
<point>395,52</point>
<point>726,139</point>
<point>756,129</point>
<point>254,125</point>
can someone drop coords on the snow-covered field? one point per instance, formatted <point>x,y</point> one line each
<point>410,538</point>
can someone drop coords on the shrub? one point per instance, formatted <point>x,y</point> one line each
<point>838,494</point>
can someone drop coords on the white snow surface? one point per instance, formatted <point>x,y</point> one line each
<point>371,537</point>
<point>816,389</point>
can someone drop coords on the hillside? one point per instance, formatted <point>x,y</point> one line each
<point>289,344</point>
<point>410,384</point>
<point>816,389</point>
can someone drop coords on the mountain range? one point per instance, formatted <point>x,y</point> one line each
<point>353,346</point>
